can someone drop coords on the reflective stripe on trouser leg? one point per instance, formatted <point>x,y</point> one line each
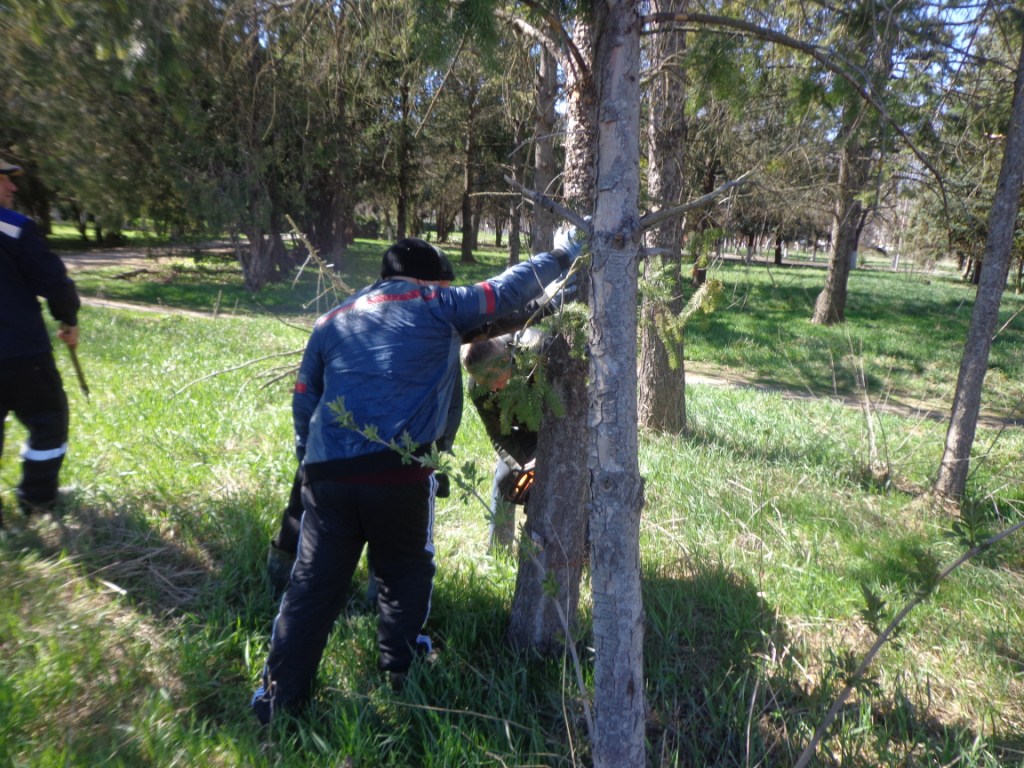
<point>45,415</point>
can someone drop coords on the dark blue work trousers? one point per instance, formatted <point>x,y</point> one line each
<point>31,388</point>
<point>396,522</point>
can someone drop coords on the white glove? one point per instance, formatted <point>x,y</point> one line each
<point>568,239</point>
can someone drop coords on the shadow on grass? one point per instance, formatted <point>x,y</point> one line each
<point>724,689</point>
<point>707,637</point>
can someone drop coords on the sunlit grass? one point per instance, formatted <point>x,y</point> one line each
<point>905,331</point>
<point>133,627</point>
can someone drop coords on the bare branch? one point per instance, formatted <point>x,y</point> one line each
<point>246,364</point>
<point>536,35</point>
<point>837,705</point>
<point>816,53</point>
<point>653,219</point>
<point>551,205</point>
<point>559,31</point>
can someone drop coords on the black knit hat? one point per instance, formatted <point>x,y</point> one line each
<point>412,257</point>
<point>447,271</point>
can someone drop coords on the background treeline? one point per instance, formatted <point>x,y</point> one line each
<point>400,117</point>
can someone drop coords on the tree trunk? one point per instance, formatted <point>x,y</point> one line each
<point>515,209</point>
<point>404,159</point>
<point>857,133</point>
<point>546,629</point>
<point>615,484</point>
<point>468,187</point>
<point>830,306</point>
<point>662,376</point>
<point>544,171</point>
<point>262,262</point>
<point>952,478</point>
<point>566,470</point>
<point>581,125</point>
<point>553,544</point>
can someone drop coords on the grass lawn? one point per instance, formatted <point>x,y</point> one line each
<point>133,626</point>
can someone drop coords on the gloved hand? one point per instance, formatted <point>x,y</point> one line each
<point>569,240</point>
<point>444,485</point>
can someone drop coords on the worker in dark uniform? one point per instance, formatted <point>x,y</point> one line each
<point>30,385</point>
<point>388,358</point>
<point>281,554</point>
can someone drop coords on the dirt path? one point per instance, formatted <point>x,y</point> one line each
<point>135,258</point>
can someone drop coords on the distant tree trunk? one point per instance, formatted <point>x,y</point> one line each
<point>265,261</point>
<point>478,218</point>
<point>616,496</point>
<point>830,306</point>
<point>778,250</point>
<point>544,171</point>
<point>469,185</point>
<point>858,133</point>
<point>553,545</point>
<point>404,159</point>
<point>952,477</point>
<point>499,229</point>
<point>515,209</point>
<point>662,376</point>
<point>515,233</point>
<point>445,222</point>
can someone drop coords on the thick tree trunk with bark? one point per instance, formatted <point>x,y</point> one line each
<point>952,478</point>
<point>615,484</point>
<point>543,629</point>
<point>662,376</point>
<point>581,125</point>
<point>553,544</point>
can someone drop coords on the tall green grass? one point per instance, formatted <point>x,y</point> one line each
<point>134,624</point>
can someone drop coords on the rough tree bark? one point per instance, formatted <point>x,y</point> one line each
<point>557,509</point>
<point>662,388</point>
<point>615,484</point>
<point>553,542</point>
<point>952,478</point>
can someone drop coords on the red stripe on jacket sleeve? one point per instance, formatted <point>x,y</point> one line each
<point>489,300</point>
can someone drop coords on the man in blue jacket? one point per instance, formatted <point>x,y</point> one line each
<point>281,554</point>
<point>380,368</point>
<point>30,385</point>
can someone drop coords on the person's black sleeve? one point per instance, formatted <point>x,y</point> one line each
<point>46,275</point>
